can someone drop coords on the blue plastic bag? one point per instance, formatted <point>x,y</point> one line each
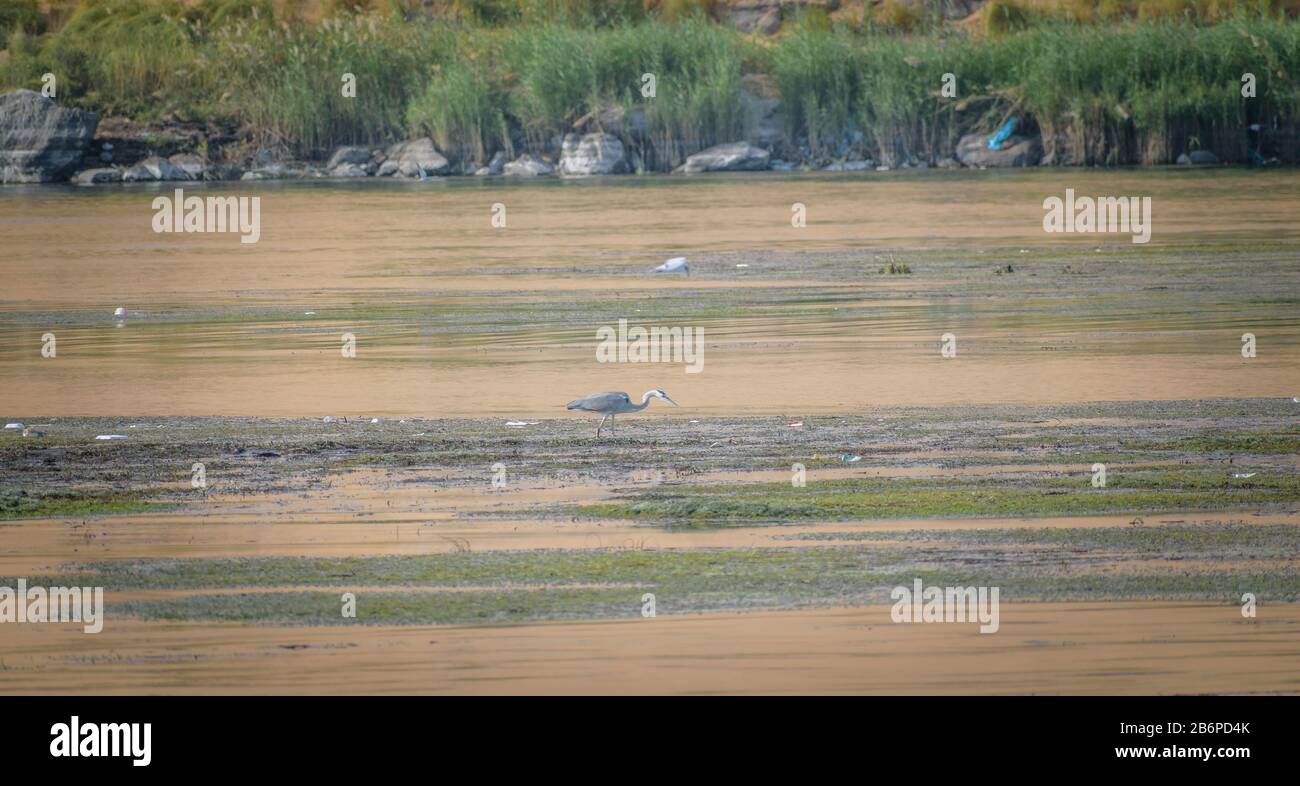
<point>1003,134</point>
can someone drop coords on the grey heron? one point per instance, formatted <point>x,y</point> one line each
<point>611,404</point>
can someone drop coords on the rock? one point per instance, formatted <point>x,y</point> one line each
<point>225,172</point>
<point>527,166</point>
<point>348,154</point>
<point>39,140</point>
<point>138,174</point>
<point>498,163</point>
<point>973,151</point>
<point>102,175</point>
<point>619,121</point>
<point>948,163</point>
<point>1198,157</point>
<point>755,16</point>
<point>592,154</point>
<point>730,157</point>
<point>387,169</point>
<point>347,169</point>
<point>164,169</point>
<point>482,172</point>
<point>764,16</point>
<point>416,155</point>
<point>269,172</point>
<point>193,165</point>
<point>858,165</point>
<point>154,168</point>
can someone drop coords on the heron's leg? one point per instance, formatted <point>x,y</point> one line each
<point>612,421</point>
<point>602,422</point>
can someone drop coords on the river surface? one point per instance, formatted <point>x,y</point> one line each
<point>453,316</point>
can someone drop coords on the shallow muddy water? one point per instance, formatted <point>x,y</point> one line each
<point>453,317</point>
<point>1058,648</point>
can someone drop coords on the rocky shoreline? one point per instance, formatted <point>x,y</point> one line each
<point>41,142</point>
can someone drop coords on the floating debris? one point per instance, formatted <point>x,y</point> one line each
<point>796,424</point>
<point>1245,474</point>
<point>120,313</point>
<point>14,425</point>
<point>521,423</point>
<point>111,436</point>
<point>849,459</point>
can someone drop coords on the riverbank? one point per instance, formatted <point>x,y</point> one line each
<point>240,92</point>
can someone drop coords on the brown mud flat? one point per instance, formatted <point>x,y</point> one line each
<point>1041,648</point>
<point>45,546</point>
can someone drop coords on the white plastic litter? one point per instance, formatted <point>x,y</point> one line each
<point>111,436</point>
<point>673,265</point>
<point>13,425</point>
<point>120,312</point>
<point>521,423</point>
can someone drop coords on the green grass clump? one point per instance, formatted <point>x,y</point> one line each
<point>22,15</point>
<point>22,505</point>
<point>288,81</point>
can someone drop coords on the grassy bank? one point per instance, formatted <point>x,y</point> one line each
<point>482,77</point>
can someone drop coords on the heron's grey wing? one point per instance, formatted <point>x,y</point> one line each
<point>600,402</point>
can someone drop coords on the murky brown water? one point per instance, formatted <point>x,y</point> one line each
<point>1104,648</point>
<point>455,318</point>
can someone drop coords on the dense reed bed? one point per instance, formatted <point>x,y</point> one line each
<point>1105,84</point>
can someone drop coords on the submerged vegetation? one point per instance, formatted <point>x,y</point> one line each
<point>1117,84</point>
<point>1030,494</point>
<point>1028,564</point>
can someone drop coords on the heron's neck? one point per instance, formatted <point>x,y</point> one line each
<point>645,400</point>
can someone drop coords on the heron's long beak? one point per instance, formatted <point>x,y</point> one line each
<point>670,401</point>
